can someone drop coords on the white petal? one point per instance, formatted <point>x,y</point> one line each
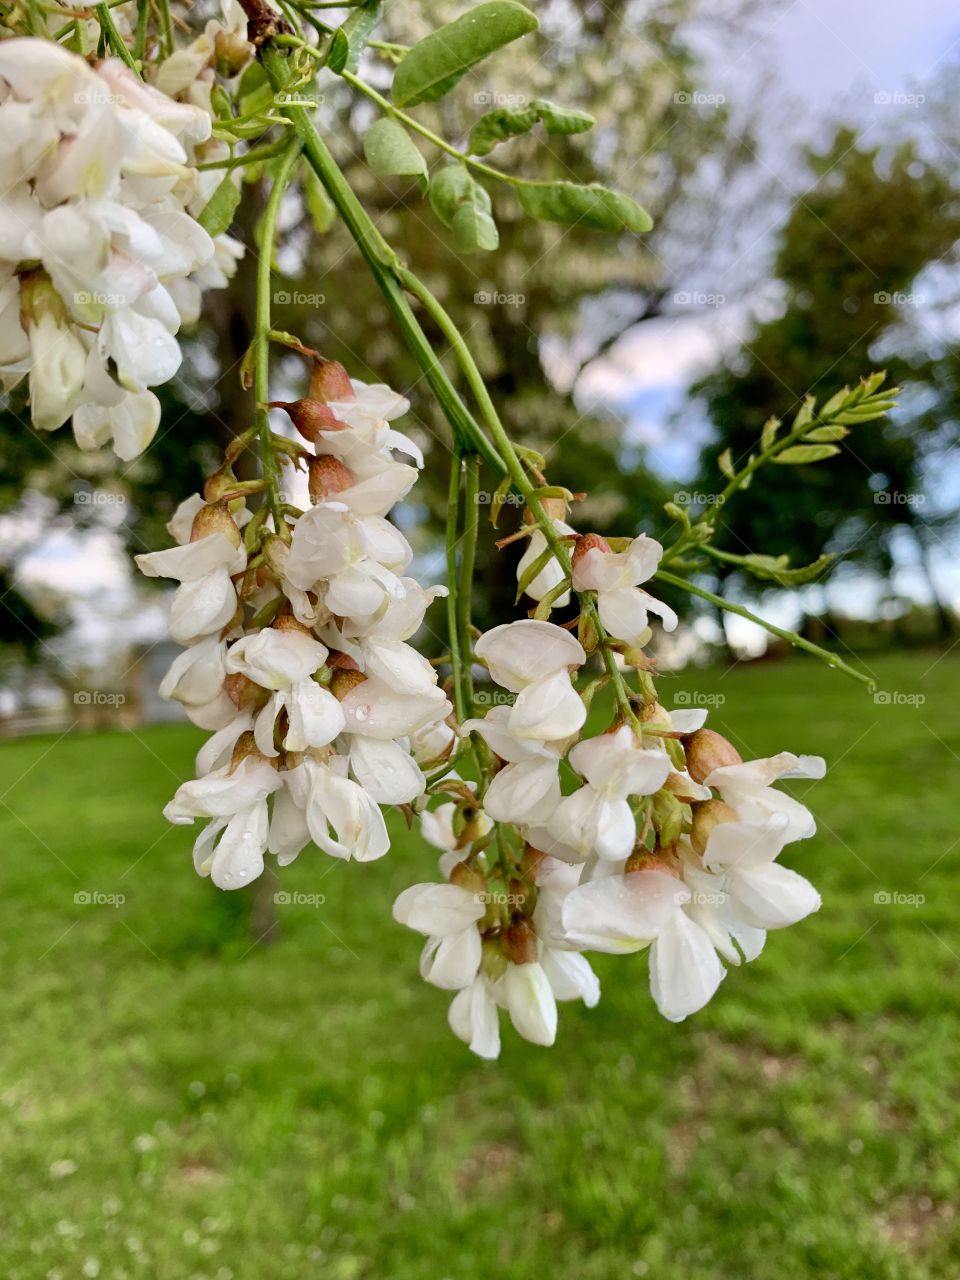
<point>620,914</point>
<point>473,1018</point>
<point>524,792</point>
<point>387,772</point>
<point>518,653</point>
<point>548,709</point>
<point>453,962</point>
<point>571,977</point>
<point>315,716</point>
<point>531,1003</point>
<point>772,897</point>
<point>684,969</point>
<point>438,909</point>
<point>238,858</point>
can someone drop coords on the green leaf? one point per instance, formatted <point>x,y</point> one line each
<point>449,187</point>
<point>217,213</point>
<point>444,57</point>
<point>391,152</point>
<point>769,433</point>
<point>594,206</point>
<point>474,229</point>
<point>725,463</point>
<point>464,206</point>
<point>349,40</point>
<point>803,453</point>
<point>509,122</point>
<point>805,412</point>
<point>777,569</point>
<point>319,205</point>
<point>834,403</point>
<point>821,434</point>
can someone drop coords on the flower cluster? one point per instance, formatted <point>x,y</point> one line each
<point>667,840</point>
<point>296,648</point>
<point>101,254</point>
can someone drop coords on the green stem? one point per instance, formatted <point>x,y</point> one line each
<point>521,481</point>
<point>261,377</point>
<point>267,152</point>
<point>791,637</point>
<point>383,263</point>
<point>468,555</point>
<point>456,657</point>
<point>114,38</point>
<point>143,24</point>
<point>166,28</point>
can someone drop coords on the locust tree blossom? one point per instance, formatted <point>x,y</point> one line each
<point>99,240</point>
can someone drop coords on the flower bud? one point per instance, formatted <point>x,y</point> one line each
<point>493,963</point>
<point>287,622</point>
<point>467,877</point>
<point>215,517</point>
<point>707,815</point>
<point>588,542</point>
<point>310,417</point>
<point>344,681</point>
<point>221,482</point>
<point>330,381</point>
<point>587,633</point>
<point>553,509</point>
<point>232,52</point>
<point>682,787</point>
<point>667,818</point>
<point>644,861</point>
<point>338,661</point>
<point>246,749</point>
<point>242,691</point>
<point>706,751</point>
<point>327,477</point>
<point>520,943</point>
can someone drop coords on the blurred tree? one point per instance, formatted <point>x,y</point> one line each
<point>849,255</point>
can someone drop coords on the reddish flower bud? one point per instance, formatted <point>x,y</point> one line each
<point>706,751</point>
<point>469,878</point>
<point>287,622</point>
<point>241,690</point>
<point>310,417</point>
<point>707,815</point>
<point>344,681</point>
<point>330,381</point>
<point>588,542</point>
<point>649,862</point>
<point>327,477</point>
<point>338,661</point>
<point>245,749</point>
<point>215,517</point>
<point>520,942</point>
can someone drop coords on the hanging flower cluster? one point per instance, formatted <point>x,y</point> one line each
<point>667,840</point>
<point>101,254</point>
<point>296,650</point>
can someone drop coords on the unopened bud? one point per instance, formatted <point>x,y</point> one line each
<point>588,542</point>
<point>520,943</point>
<point>553,509</point>
<point>221,482</point>
<point>310,417</point>
<point>345,681</point>
<point>330,381</point>
<point>649,862</point>
<point>587,633</point>
<point>327,477</point>
<point>667,818</point>
<point>241,690</point>
<point>706,816</point>
<point>232,52</point>
<point>338,661</point>
<point>493,963</point>
<point>684,788</point>
<point>287,622</point>
<point>467,877</point>
<point>706,751</point>
<point>215,517</point>
<point>246,749</point>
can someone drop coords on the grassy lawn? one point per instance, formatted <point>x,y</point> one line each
<point>177,1103</point>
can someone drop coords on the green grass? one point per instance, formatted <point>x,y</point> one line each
<point>176,1103</point>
